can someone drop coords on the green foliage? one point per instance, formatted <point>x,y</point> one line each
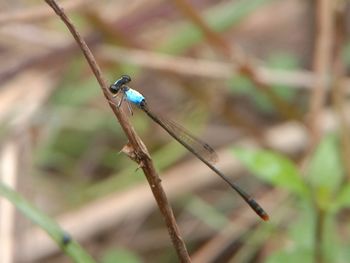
<point>302,231</point>
<point>332,245</point>
<point>320,197</point>
<point>120,255</point>
<point>300,239</point>
<point>72,249</point>
<point>343,198</point>
<point>325,172</point>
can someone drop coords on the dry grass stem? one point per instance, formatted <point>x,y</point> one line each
<point>8,175</point>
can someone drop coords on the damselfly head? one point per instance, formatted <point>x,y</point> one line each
<point>119,84</point>
<point>122,81</point>
<point>114,89</point>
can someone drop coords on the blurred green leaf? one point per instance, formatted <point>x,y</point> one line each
<point>343,199</point>
<point>120,255</point>
<point>301,230</point>
<point>325,171</point>
<point>72,248</point>
<point>331,243</point>
<point>300,236</point>
<point>273,168</point>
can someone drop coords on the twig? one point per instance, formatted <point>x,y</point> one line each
<point>138,148</point>
<point>321,64</point>
<point>339,88</point>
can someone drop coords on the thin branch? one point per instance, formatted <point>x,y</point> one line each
<point>339,88</point>
<point>321,64</point>
<point>139,150</point>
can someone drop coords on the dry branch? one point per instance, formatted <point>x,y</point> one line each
<point>139,150</point>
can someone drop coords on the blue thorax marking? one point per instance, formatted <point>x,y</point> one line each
<point>134,96</point>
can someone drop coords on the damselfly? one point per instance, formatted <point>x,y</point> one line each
<point>196,146</point>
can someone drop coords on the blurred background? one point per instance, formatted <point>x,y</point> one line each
<point>264,82</point>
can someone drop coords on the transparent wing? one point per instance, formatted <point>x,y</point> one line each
<point>200,147</point>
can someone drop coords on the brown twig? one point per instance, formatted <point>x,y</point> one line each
<point>244,64</point>
<point>321,64</point>
<point>139,150</point>
<point>339,88</point>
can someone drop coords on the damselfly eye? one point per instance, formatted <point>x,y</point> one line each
<point>125,79</point>
<point>122,81</point>
<point>114,89</point>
